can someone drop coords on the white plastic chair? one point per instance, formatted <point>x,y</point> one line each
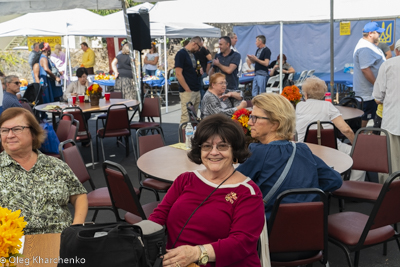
<point>309,74</point>
<point>301,79</point>
<point>271,82</point>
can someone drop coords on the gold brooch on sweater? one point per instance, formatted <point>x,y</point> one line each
<point>231,197</point>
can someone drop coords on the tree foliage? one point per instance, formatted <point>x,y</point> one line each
<point>8,60</point>
<point>105,12</point>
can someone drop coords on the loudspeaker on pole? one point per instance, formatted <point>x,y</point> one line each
<point>139,25</point>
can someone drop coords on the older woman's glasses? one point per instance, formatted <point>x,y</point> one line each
<point>16,130</point>
<point>254,118</point>
<point>220,147</point>
<point>223,83</point>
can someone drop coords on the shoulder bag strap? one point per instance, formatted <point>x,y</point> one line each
<point>199,207</point>
<point>282,177</point>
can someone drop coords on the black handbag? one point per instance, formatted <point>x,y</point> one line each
<point>111,244</point>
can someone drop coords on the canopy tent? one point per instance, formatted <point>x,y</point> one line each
<point>114,25</point>
<point>53,23</point>
<point>263,12</point>
<point>28,6</point>
<point>82,22</point>
<point>306,45</point>
<point>267,11</point>
<point>8,7</point>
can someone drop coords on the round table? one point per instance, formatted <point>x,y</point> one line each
<point>167,163</point>
<point>86,107</point>
<point>349,113</point>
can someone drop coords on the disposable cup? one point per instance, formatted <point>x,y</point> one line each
<point>73,100</point>
<point>81,98</point>
<point>107,96</point>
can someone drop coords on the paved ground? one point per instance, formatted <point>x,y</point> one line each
<point>371,257</point>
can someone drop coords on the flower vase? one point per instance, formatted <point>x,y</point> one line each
<point>94,100</point>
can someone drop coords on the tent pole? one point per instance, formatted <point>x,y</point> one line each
<point>333,57</point>
<point>166,73</point>
<point>280,56</point>
<point>133,65</point>
<point>68,62</point>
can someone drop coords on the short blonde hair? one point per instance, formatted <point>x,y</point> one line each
<point>314,87</point>
<point>278,109</point>
<point>57,49</point>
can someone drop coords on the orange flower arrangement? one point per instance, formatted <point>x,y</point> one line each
<point>242,116</point>
<point>292,93</point>
<point>94,89</point>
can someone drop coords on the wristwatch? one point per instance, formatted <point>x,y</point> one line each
<point>203,259</point>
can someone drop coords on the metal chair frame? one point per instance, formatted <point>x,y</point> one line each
<point>384,214</point>
<point>98,135</point>
<point>290,239</point>
<point>82,173</point>
<point>130,201</point>
<point>324,132</point>
<point>139,136</point>
<point>85,128</point>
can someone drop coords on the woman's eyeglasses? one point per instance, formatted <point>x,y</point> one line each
<point>254,118</point>
<point>220,147</point>
<point>16,130</point>
<point>223,83</point>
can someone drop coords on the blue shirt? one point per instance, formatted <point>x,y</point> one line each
<point>307,171</point>
<point>232,58</point>
<point>365,58</point>
<point>10,100</point>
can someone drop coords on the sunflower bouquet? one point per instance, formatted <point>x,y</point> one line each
<point>242,116</point>
<point>292,93</point>
<point>11,231</point>
<point>95,90</point>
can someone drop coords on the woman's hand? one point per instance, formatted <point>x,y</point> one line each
<point>181,256</point>
<point>225,96</point>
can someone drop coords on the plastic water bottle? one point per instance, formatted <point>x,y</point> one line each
<point>189,135</point>
<point>41,82</point>
<point>328,97</point>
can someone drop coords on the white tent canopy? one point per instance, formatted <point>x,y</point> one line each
<point>114,25</point>
<point>8,7</point>
<point>267,11</point>
<point>28,6</point>
<point>51,23</point>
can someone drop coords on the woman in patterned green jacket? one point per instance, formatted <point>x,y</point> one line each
<point>40,186</point>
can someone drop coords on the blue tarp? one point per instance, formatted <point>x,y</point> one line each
<point>306,45</point>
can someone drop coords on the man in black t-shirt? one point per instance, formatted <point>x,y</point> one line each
<point>204,58</point>
<point>185,69</point>
<point>261,60</point>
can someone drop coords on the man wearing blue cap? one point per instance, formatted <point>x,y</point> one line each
<point>367,58</point>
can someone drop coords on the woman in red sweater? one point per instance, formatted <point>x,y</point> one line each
<point>225,229</point>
